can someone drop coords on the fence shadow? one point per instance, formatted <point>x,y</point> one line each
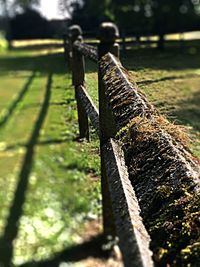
<point>16,209</point>
<point>135,58</point>
<point>45,63</point>
<point>172,58</point>
<point>91,248</point>
<point>61,103</point>
<point>19,98</point>
<point>168,78</point>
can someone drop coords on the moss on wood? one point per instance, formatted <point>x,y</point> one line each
<point>164,173</point>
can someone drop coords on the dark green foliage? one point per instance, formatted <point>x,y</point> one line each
<point>138,16</point>
<point>91,14</point>
<point>153,16</point>
<point>30,25</point>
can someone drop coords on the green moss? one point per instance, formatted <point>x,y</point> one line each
<point>171,215</point>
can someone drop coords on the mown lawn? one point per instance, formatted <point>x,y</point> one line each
<point>49,178</point>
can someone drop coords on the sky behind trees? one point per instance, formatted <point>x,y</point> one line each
<point>48,8</point>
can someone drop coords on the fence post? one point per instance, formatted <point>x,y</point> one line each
<point>108,33</point>
<point>78,77</point>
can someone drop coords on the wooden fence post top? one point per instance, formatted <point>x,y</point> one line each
<point>108,32</point>
<point>75,32</point>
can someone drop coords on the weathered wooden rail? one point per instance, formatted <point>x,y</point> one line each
<point>138,171</point>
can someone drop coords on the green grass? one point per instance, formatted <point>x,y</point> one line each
<point>3,43</point>
<point>38,126</point>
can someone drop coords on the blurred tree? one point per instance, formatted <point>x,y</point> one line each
<point>141,17</point>
<point>30,25</point>
<point>156,16</point>
<point>5,13</point>
<point>67,6</point>
<point>132,15</point>
<point>9,8</point>
<point>87,13</point>
<point>173,16</point>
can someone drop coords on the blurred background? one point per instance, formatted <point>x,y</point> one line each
<point>33,19</point>
<point>50,192</point>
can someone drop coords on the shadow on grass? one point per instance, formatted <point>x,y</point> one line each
<point>61,103</point>
<point>40,143</point>
<point>169,78</point>
<point>189,111</point>
<point>91,248</point>
<point>172,58</point>
<point>77,167</point>
<point>16,209</point>
<point>19,98</point>
<point>48,63</point>
<point>136,58</point>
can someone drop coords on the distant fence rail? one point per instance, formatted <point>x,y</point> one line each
<point>119,104</point>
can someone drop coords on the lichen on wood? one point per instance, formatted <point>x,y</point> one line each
<point>162,170</point>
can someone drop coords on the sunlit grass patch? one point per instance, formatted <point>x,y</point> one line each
<point>10,88</point>
<point>177,95</point>
<point>22,43</point>
<point>3,43</point>
<point>24,113</point>
<point>10,162</point>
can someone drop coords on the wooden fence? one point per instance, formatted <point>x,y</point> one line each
<point>118,104</point>
<point>120,207</point>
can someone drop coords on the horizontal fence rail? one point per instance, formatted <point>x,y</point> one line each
<point>90,108</point>
<point>145,166</point>
<point>88,51</point>
<point>133,238</point>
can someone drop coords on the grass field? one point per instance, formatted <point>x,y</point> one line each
<point>50,178</point>
<point>44,171</point>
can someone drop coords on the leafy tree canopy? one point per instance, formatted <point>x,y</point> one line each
<point>157,15</point>
<point>137,15</point>
<point>11,7</point>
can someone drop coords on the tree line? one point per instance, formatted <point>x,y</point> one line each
<point>146,16</point>
<point>139,17</point>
